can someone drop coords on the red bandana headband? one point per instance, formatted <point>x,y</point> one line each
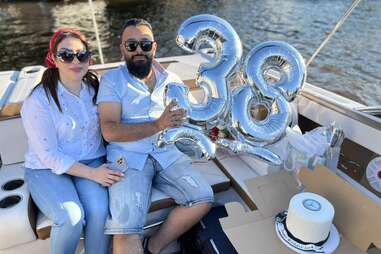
<point>49,59</point>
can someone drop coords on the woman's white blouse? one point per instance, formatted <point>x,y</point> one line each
<point>57,139</point>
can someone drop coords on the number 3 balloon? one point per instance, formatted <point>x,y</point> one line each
<point>213,77</point>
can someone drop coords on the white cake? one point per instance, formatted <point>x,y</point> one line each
<point>309,217</point>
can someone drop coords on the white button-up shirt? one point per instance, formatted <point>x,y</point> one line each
<point>138,106</point>
<point>57,139</point>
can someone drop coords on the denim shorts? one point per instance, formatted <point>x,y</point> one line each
<point>130,198</point>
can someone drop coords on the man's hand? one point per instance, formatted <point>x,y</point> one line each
<point>115,131</point>
<point>171,118</point>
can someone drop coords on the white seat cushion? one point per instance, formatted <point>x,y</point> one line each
<point>159,200</point>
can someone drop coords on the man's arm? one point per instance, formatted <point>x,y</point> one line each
<point>114,130</point>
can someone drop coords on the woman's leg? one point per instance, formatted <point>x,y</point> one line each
<point>57,198</point>
<point>94,198</point>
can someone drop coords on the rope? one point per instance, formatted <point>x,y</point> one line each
<point>337,26</point>
<point>96,31</point>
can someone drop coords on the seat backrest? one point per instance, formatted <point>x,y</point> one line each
<point>8,81</point>
<point>13,141</point>
<point>16,87</point>
<point>28,78</point>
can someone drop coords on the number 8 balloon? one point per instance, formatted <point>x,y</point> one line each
<point>275,72</point>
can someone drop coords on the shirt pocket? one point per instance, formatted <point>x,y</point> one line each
<point>135,107</point>
<point>116,160</point>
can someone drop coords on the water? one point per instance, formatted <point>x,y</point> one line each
<point>350,64</point>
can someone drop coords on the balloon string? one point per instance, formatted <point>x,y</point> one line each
<point>337,26</point>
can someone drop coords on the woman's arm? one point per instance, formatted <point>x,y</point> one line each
<point>102,174</point>
<point>42,138</point>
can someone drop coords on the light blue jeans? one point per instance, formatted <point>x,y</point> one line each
<point>73,204</point>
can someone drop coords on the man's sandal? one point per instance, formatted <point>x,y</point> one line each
<point>145,245</point>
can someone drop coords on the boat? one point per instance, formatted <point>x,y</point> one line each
<point>25,229</point>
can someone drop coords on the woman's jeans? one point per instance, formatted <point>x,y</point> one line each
<point>72,203</point>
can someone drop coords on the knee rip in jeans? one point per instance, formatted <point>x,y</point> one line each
<point>139,200</point>
<point>124,208</point>
<point>70,213</point>
<point>190,180</point>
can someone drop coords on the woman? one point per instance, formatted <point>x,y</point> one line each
<point>64,163</point>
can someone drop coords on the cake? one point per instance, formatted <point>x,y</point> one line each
<point>309,217</point>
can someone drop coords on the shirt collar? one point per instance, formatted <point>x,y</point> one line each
<point>62,89</point>
<point>157,67</point>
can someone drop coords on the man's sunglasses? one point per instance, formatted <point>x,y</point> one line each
<point>67,56</point>
<point>133,45</point>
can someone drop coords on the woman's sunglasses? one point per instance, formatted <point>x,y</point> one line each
<point>133,45</point>
<point>67,55</point>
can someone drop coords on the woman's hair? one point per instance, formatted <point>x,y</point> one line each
<point>50,77</point>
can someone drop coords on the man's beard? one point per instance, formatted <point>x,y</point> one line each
<point>139,69</point>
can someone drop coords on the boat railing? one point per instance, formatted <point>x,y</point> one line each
<point>371,110</point>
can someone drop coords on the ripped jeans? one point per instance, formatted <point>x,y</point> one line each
<point>130,198</point>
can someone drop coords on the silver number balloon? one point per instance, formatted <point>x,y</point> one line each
<point>213,77</point>
<point>170,136</point>
<point>275,72</point>
<point>259,152</point>
<point>194,35</point>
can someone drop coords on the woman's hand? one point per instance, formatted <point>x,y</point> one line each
<point>105,176</point>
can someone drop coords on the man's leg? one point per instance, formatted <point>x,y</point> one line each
<point>183,183</point>
<point>127,244</point>
<point>178,222</point>
<point>128,201</point>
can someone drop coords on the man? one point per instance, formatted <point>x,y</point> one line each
<point>132,113</point>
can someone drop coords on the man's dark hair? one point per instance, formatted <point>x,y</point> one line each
<point>135,22</point>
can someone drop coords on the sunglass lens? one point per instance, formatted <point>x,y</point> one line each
<point>146,45</point>
<point>131,45</point>
<point>66,56</point>
<point>83,56</point>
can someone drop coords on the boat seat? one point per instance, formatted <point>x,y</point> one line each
<point>17,212</point>
<point>159,200</point>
